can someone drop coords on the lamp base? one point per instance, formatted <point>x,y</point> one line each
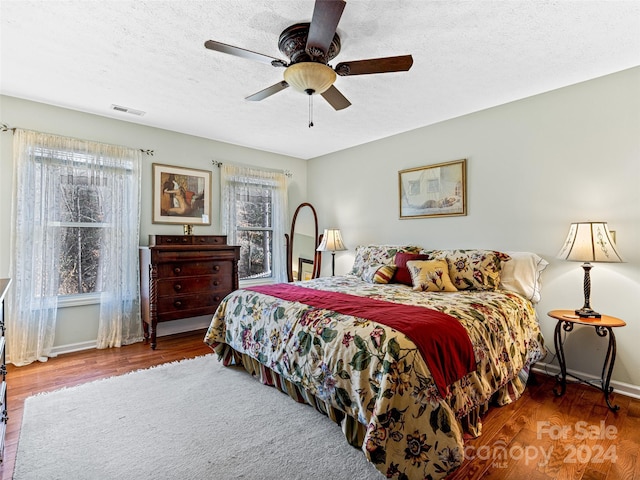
<point>587,313</point>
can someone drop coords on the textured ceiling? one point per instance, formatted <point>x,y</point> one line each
<point>149,56</point>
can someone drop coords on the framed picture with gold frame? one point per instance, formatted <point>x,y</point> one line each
<point>181,195</point>
<point>438,190</point>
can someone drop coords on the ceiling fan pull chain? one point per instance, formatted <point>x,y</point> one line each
<point>310,110</point>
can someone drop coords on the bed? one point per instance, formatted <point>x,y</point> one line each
<point>406,352</point>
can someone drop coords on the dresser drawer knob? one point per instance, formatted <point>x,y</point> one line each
<point>177,303</point>
<point>177,270</point>
<point>177,287</point>
<point>216,298</point>
<point>216,283</point>
<point>216,268</point>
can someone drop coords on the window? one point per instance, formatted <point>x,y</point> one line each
<point>76,214</point>
<point>80,228</point>
<point>80,195</point>
<point>254,230</point>
<point>254,206</point>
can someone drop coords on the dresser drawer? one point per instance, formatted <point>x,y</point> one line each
<point>187,285</point>
<point>209,239</point>
<point>181,303</point>
<point>187,240</point>
<point>186,269</point>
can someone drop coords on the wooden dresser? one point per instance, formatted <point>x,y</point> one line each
<point>184,276</point>
<point>4,287</point>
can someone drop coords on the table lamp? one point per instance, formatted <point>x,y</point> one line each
<point>332,242</point>
<point>589,242</point>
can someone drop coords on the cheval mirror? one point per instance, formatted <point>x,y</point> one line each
<point>303,261</point>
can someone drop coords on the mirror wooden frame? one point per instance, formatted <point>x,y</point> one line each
<point>317,256</point>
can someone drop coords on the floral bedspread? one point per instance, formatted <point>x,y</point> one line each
<point>376,374</point>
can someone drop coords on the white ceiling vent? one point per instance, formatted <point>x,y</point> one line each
<point>119,108</point>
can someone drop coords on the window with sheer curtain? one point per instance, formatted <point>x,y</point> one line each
<point>254,206</point>
<point>76,218</point>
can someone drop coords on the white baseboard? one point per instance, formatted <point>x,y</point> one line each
<point>618,387</point>
<point>164,329</point>
<point>183,325</point>
<point>72,347</point>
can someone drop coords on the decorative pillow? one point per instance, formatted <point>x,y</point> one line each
<point>370,255</point>
<point>379,273</point>
<point>430,276</point>
<point>473,269</point>
<point>403,275</point>
<point>522,274</point>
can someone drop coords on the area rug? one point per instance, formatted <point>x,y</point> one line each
<point>193,419</point>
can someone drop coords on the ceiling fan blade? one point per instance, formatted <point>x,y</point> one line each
<point>243,53</point>
<point>335,98</point>
<point>326,15</point>
<point>267,92</point>
<point>401,63</point>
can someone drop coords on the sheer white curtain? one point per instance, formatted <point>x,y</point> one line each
<point>235,181</point>
<point>64,187</point>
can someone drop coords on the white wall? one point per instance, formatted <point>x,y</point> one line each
<point>533,167</point>
<point>77,326</point>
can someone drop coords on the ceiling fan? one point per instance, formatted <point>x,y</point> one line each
<point>309,47</point>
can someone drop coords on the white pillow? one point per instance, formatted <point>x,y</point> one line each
<point>522,274</point>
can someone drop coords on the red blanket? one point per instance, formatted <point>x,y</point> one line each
<point>442,340</point>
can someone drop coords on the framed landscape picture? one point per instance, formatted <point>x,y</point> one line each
<point>438,190</point>
<point>181,195</point>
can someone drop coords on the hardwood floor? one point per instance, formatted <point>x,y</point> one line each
<point>539,437</point>
<point>542,437</point>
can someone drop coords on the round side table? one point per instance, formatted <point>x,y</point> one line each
<point>567,319</point>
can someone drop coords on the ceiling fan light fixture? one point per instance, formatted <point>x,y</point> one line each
<point>306,76</point>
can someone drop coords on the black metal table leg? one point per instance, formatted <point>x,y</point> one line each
<point>557,339</point>
<point>607,367</point>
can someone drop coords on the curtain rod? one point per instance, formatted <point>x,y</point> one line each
<point>287,173</point>
<point>5,128</point>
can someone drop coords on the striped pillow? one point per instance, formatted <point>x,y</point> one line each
<point>379,273</point>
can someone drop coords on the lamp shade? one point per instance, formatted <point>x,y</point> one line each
<point>310,77</point>
<point>589,242</point>
<point>331,241</point>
